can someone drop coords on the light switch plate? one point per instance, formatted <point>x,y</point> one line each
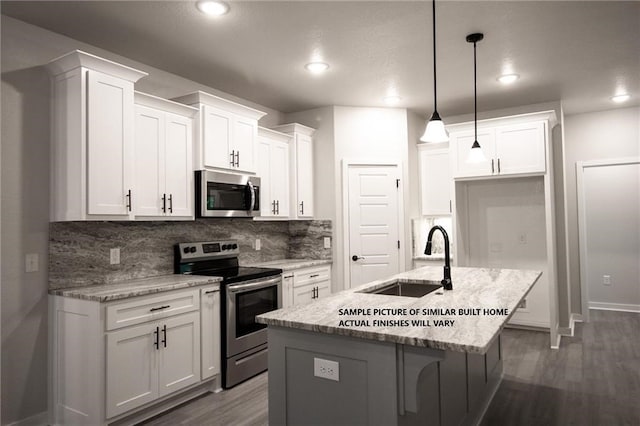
<point>258,244</point>
<point>327,242</point>
<point>326,369</point>
<point>114,256</point>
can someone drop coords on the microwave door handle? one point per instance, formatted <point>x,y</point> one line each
<point>252,190</point>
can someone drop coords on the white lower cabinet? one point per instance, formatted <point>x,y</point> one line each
<point>287,289</point>
<point>112,360</point>
<point>310,284</point>
<point>210,331</point>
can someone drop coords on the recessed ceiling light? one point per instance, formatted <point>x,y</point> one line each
<point>392,99</point>
<point>317,67</point>
<point>508,78</point>
<point>620,98</point>
<point>212,7</point>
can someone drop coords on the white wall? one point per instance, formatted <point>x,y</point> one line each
<point>612,228</point>
<point>593,136</point>
<point>25,200</point>
<point>354,134</point>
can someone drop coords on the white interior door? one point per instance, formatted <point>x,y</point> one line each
<point>374,237</point>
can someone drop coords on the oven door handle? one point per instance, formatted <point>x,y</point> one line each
<point>239,288</point>
<point>252,190</point>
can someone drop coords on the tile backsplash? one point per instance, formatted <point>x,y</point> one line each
<point>79,251</point>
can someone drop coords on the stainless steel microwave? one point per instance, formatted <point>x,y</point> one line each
<point>220,194</point>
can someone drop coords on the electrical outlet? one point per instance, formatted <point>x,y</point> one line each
<point>114,256</point>
<point>522,238</point>
<point>258,245</point>
<point>31,262</point>
<point>327,242</point>
<point>326,369</point>
<point>606,280</point>
<point>523,304</point>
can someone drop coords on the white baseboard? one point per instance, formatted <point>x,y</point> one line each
<point>614,307</point>
<point>39,419</point>
<point>569,331</point>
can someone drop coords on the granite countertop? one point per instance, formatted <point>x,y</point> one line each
<point>135,287</point>
<point>288,265</point>
<point>472,330</point>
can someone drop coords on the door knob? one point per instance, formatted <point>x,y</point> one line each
<point>356,258</point>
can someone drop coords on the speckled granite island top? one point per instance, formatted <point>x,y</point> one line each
<point>465,319</point>
<point>135,287</point>
<point>288,265</point>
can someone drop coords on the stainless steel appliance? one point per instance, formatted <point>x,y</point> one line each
<point>221,194</point>
<point>245,293</point>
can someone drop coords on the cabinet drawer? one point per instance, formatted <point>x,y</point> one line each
<point>310,276</point>
<point>143,309</point>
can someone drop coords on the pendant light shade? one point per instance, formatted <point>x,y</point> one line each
<point>475,153</point>
<point>435,131</point>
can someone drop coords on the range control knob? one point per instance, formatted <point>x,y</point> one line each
<point>224,247</point>
<point>185,250</point>
<point>234,246</point>
<point>192,249</point>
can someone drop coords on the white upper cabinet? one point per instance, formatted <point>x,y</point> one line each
<point>226,133</point>
<point>435,180</point>
<point>163,158</point>
<point>92,169</point>
<point>301,169</point>
<point>273,170</point>
<point>512,145</point>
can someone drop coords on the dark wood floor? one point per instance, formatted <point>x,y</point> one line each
<point>594,379</point>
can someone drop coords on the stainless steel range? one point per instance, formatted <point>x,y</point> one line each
<point>245,293</point>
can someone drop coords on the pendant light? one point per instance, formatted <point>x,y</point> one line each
<point>475,153</point>
<point>435,131</point>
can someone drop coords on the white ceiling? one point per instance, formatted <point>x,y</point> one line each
<point>579,52</point>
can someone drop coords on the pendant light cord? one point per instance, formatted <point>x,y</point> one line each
<point>435,89</point>
<point>475,94</point>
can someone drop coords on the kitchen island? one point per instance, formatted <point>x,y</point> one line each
<point>358,357</point>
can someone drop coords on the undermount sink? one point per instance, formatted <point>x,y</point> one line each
<point>398,288</point>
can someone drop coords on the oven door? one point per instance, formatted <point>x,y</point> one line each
<point>227,195</point>
<point>244,301</point>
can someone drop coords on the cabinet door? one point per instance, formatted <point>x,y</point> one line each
<point>178,165</point>
<point>287,290</point>
<point>149,161</point>
<point>179,364</point>
<point>264,171</point>
<point>304,294</point>
<point>132,371</point>
<point>110,133</point>
<point>435,182</point>
<point>210,331</point>
<point>461,143</point>
<point>324,289</point>
<point>304,174</point>
<point>520,148</point>
<point>216,137</point>
<point>244,139</point>
<point>279,177</point>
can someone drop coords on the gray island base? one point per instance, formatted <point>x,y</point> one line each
<point>321,372</point>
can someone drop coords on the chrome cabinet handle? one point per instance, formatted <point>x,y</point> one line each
<point>164,335</point>
<point>301,207</point>
<point>156,342</point>
<point>278,207</point>
<point>159,308</point>
<point>129,200</point>
<point>273,207</point>
<point>233,157</point>
<point>237,159</point>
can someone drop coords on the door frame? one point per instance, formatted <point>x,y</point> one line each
<point>346,164</point>
<point>582,220</point>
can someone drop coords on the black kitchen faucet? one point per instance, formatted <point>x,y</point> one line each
<point>446,281</point>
